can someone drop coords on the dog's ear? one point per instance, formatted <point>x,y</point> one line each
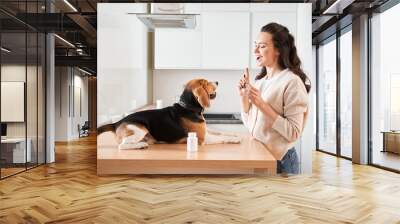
<point>202,96</point>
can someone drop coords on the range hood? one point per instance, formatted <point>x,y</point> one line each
<point>168,15</point>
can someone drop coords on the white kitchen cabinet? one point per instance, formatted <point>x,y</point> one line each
<point>225,40</point>
<point>275,7</point>
<point>220,41</point>
<point>259,19</point>
<point>127,36</point>
<point>178,48</point>
<point>226,7</point>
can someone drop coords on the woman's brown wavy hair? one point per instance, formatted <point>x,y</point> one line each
<point>288,58</point>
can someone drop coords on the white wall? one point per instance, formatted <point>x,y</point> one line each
<point>33,126</point>
<point>67,80</point>
<point>122,62</point>
<point>15,72</point>
<point>62,82</point>
<point>79,117</point>
<point>313,118</point>
<point>307,142</point>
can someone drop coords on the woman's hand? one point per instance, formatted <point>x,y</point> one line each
<point>254,96</point>
<point>256,99</point>
<point>243,82</point>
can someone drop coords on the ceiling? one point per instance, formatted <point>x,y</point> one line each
<point>77,22</point>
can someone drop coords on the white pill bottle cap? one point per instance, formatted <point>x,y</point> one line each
<point>192,134</point>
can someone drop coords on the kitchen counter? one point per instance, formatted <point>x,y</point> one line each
<point>248,157</point>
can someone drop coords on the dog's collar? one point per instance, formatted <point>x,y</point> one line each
<point>188,107</point>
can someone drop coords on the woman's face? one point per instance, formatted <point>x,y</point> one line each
<point>265,52</point>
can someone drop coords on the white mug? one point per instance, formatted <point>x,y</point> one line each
<point>159,104</point>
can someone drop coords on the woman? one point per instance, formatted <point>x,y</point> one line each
<point>276,107</point>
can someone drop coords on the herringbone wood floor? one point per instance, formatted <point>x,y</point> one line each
<point>69,191</point>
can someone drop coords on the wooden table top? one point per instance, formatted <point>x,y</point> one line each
<point>248,150</point>
<point>250,156</point>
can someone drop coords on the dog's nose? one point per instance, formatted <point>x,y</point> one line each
<point>216,83</point>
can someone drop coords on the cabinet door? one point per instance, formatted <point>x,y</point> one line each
<point>259,19</point>
<point>226,7</point>
<point>121,36</point>
<point>178,48</point>
<point>225,40</point>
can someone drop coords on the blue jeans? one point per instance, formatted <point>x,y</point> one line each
<point>289,163</point>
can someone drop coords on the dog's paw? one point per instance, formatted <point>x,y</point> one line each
<point>233,140</point>
<point>142,145</point>
<point>139,145</point>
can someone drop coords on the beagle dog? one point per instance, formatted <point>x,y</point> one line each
<point>171,124</point>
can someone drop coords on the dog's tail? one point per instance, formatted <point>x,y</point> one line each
<point>105,128</point>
